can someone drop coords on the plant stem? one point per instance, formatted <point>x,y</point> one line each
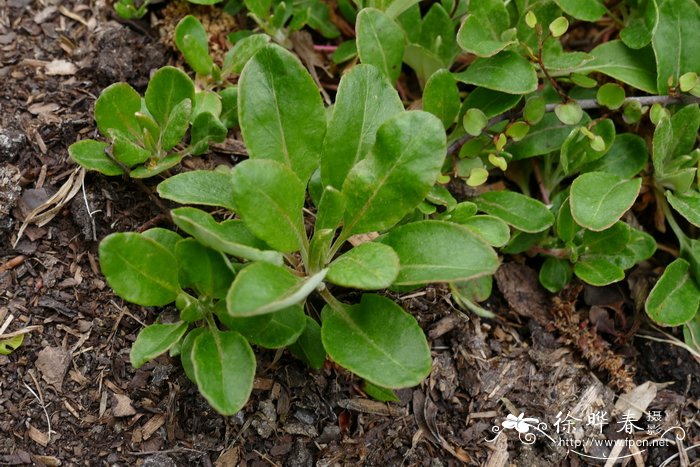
<point>540,62</point>
<point>661,199</point>
<point>331,300</point>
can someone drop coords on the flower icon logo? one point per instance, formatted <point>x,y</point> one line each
<point>520,423</point>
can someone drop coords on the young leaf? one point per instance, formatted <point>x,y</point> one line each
<point>363,339</point>
<point>364,101</point>
<point>273,330</point>
<point>115,109</point>
<point>611,95</point>
<point>7,346</point>
<point>269,198</point>
<point>330,210</point>
<point>139,269</point>
<point>598,271</point>
<point>520,211</point>
<point>309,347</point>
<point>675,298</point>
<point>483,30</point>
<point>369,266</point>
<point>203,269</point>
<point>441,97</point>
<point>127,152</point>
<point>154,340</point>
<point>206,101</point>
<point>206,127</point>
<point>192,40</point>
<point>231,237</point>
<point>229,106</point>
<point>688,204</point>
<point>243,51</point>
<point>167,88</point>
<point>397,174</point>
<point>555,273</point>
<point>626,158</point>
<point>677,30</point>
<point>380,42</point>
<point>224,369</point>
<point>569,114</point>
<point>263,288</point>
<point>91,154</point>
<point>206,187</point>
<point>424,258</point>
<point>599,199</point>
<point>474,122</point>
<point>507,72</point>
<point>492,229</point>
<point>280,111</point>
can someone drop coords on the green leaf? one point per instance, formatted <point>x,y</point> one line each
<point>273,330</point>
<point>206,127</point>
<point>127,152</point>
<point>559,26</point>
<point>263,288</point>
<point>641,25</point>
<point>224,369</point>
<point>675,41</point>
<point>611,95</point>
<point>369,266</point>
<point>687,204</point>
<point>229,106</point>
<point>364,101</point>
<point>569,114</point>
<point>609,241</point>
<point>634,67</point>
<point>91,154</point>
<point>492,229</point>
<point>280,111</point>
<point>534,110</point>
<point>167,88</point>
<point>155,340</point>
<point>206,101</point>
<point>396,175</point>
<point>205,187</point>
<point>641,245</point>
<point>598,271</point>
<point>507,72</point>
<point>482,32</point>
<point>115,109</point>
<point>675,298</point>
<point>589,10</point>
<point>520,211</point>
<point>231,237</point>
<point>474,122</point>
<point>380,42</point>
<point>330,210</point>
<point>566,227</point>
<point>491,103</point>
<point>379,393</point>
<point>555,273</point>
<point>139,269</point>
<point>626,158</point>
<point>186,352</point>
<point>309,346</point>
<point>437,34</point>
<point>425,62</point>
<point>7,346</point>
<point>363,339</point>
<point>599,199</point>
<point>269,198</point>
<point>148,170</point>
<point>425,259</point>
<point>546,136</point>
<point>192,40</point>
<point>164,237</point>
<point>203,269</point>
<point>441,97</point>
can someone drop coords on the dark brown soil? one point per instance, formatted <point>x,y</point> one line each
<point>68,395</point>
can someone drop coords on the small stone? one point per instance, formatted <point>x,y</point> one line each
<point>11,143</point>
<point>158,460</point>
<point>53,363</point>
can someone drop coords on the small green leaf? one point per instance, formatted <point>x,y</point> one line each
<point>507,72</point>
<point>520,211</point>
<point>534,110</point>
<point>599,199</point>
<point>269,198</point>
<point>482,32</point>
<point>687,204</point>
<point>206,127</point>
<point>224,369</point>
<point>688,81</point>
<point>474,122</point>
<point>565,226</point>
<point>203,269</point>
<point>364,101</point>
<point>186,352</point>
<point>139,269</point>
<point>675,298</point>
<point>167,88</point>
<point>115,109</point>
<point>7,346</point>
<point>380,42</point>
<point>569,114</point>
<point>263,288</point>
<point>330,210</point>
<point>206,101</point>
<point>609,241</point>
<point>192,40</point>
<point>281,112</point>
<point>441,97</point>
<point>309,346</point>
<point>517,130</point>
<point>273,330</point>
<point>164,237</point>
<point>91,154</point>
<point>491,103</point>
<point>492,229</point>
<point>598,271</point>
<point>205,187</point>
<point>677,30</point>
<point>243,51</point>
<point>363,339</point>
<point>626,158</point>
<point>369,266</point>
<point>559,26</point>
<point>229,106</point>
<point>611,95</point>
<point>397,174</point>
<point>555,273</point>
<point>155,340</point>
<point>424,258</point>
<point>231,237</point>
<point>127,152</point>
<point>379,393</point>
<point>589,10</point>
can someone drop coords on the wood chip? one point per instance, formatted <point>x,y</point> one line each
<point>370,406</point>
<point>228,458</point>
<point>38,436</point>
<point>152,425</point>
<point>53,363</point>
<point>121,406</point>
<point>48,461</point>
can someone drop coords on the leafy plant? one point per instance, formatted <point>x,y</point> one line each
<point>251,279</point>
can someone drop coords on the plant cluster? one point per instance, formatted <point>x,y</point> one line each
<point>504,98</point>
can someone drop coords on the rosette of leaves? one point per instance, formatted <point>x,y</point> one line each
<point>261,278</point>
<point>146,134</point>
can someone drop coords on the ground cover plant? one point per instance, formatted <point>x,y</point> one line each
<point>593,153</point>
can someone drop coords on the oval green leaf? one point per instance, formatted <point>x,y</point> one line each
<point>369,266</point>
<point>205,187</point>
<point>192,40</point>
<point>380,42</point>
<point>167,88</point>
<point>309,347</point>
<point>598,271</point>
<point>115,109</point>
<point>687,204</point>
<point>675,298</point>
<point>599,199</point>
<point>520,211</point>
<point>155,340</point>
<point>441,97</point>
<point>507,72</point>
<point>91,154</point>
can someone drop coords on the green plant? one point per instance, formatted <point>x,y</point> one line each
<point>250,279</point>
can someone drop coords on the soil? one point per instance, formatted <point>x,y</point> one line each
<point>68,395</point>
